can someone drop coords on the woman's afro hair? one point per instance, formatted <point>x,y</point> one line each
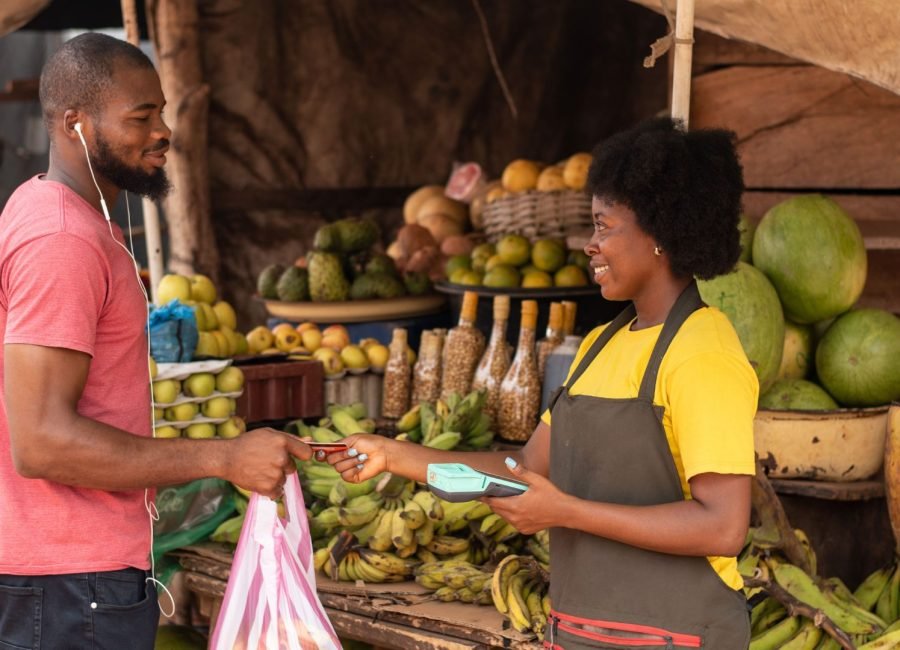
<point>684,187</point>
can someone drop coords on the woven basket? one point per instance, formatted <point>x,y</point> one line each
<point>538,215</point>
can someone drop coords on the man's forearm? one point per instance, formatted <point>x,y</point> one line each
<point>87,453</point>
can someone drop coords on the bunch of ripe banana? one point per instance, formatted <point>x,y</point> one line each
<point>453,580</point>
<point>867,616</point>
<point>459,423</point>
<point>520,591</point>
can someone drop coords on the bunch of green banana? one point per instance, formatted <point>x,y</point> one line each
<point>453,580</point>
<point>772,627</point>
<point>539,546</point>
<point>458,423</point>
<point>229,530</point>
<point>519,591</point>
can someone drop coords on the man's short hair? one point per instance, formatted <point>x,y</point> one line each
<point>80,73</point>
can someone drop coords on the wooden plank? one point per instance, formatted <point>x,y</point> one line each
<point>878,215</point>
<point>882,290</point>
<point>712,50</point>
<point>363,628</point>
<point>336,201</point>
<point>804,127</point>
<point>831,491</point>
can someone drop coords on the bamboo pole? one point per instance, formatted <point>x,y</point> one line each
<point>152,239</point>
<point>684,51</point>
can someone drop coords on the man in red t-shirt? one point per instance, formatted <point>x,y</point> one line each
<point>77,454</point>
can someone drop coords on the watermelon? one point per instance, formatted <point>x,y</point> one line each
<point>813,253</point>
<point>858,358</point>
<point>797,356</point>
<point>797,394</point>
<point>751,304</point>
<point>747,228</point>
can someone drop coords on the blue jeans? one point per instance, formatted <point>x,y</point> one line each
<point>111,610</point>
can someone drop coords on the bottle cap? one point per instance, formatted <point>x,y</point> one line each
<point>469,306</point>
<point>529,313</point>
<point>569,309</point>
<point>501,307</point>
<point>556,316</point>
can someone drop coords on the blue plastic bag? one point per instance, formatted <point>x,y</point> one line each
<point>173,333</point>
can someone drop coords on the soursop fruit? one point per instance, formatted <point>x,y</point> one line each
<point>327,282</point>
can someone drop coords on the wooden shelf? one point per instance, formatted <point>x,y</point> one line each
<point>830,491</point>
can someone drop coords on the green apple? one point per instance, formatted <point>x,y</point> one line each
<point>201,430</point>
<point>217,407</point>
<point>203,289</point>
<point>233,403</point>
<point>231,428</point>
<point>166,391</point>
<point>158,414</point>
<point>230,380</point>
<point>173,286</point>
<point>354,358</point>
<point>166,432</point>
<point>200,384</point>
<point>182,412</point>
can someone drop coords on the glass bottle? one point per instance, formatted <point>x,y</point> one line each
<point>426,385</point>
<point>495,360</point>
<point>463,348</point>
<point>558,363</point>
<point>552,338</point>
<point>397,375</point>
<point>520,392</point>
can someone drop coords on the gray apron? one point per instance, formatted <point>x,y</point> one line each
<point>606,594</point>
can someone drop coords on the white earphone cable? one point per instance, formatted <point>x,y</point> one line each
<point>152,512</point>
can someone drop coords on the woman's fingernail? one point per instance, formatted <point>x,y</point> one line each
<point>352,453</point>
<point>363,458</point>
<point>360,466</point>
<point>511,462</point>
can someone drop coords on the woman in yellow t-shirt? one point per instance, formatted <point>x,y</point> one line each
<point>641,467</point>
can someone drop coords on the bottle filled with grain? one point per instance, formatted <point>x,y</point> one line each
<point>496,359</point>
<point>520,392</point>
<point>569,312</point>
<point>397,377</point>
<point>426,386</point>
<point>463,348</point>
<point>552,338</point>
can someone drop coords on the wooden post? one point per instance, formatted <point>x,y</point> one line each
<point>174,32</point>
<point>892,470</point>
<point>684,49</point>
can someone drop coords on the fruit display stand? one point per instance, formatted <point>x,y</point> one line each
<point>400,615</point>
<point>827,469</point>
<point>281,390</point>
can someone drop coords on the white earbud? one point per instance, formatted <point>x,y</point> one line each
<point>87,155</point>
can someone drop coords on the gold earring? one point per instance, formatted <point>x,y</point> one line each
<point>657,251</point>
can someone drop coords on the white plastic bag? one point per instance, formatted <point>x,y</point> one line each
<point>271,601</point>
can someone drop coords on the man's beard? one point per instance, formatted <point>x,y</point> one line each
<point>154,185</point>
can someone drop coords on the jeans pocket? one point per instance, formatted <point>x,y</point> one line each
<point>129,623</point>
<point>121,589</point>
<point>20,618</point>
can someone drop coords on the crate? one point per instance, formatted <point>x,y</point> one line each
<point>282,390</point>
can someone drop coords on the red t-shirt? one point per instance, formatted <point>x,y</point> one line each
<point>66,283</point>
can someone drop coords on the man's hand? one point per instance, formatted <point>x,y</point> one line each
<point>260,460</point>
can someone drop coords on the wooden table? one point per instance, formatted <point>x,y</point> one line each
<point>401,616</point>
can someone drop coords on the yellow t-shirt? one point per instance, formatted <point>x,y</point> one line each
<point>707,387</point>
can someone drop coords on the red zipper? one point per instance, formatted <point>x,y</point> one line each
<point>664,637</point>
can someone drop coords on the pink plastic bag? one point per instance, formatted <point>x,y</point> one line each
<point>271,601</point>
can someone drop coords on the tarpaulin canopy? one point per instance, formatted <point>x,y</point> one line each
<point>857,37</point>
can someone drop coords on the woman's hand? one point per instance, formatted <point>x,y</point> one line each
<point>538,508</point>
<point>367,457</point>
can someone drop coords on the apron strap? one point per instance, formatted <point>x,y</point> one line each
<point>624,317</point>
<point>688,302</point>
